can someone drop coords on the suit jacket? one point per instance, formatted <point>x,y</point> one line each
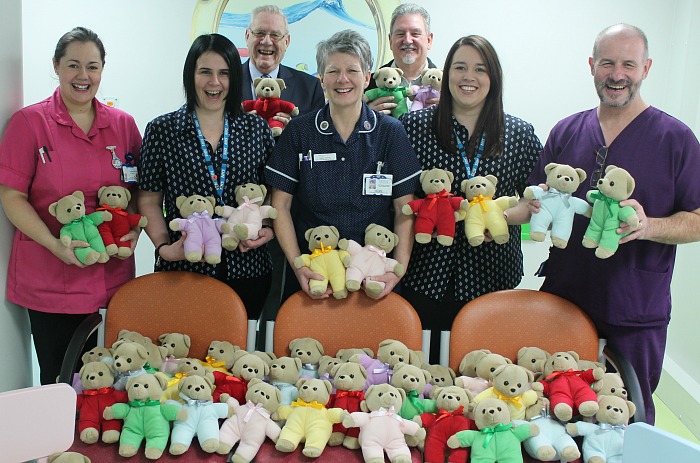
<point>373,84</point>
<point>304,90</point>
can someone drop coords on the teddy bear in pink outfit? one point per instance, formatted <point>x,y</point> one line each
<point>245,221</point>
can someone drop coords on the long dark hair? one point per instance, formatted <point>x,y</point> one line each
<point>491,119</point>
<point>228,51</point>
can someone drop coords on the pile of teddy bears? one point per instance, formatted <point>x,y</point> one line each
<point>140,391</point>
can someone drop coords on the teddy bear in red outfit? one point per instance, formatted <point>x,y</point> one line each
<point>114,199</point>
<point>97,379</point>
<point>268,104</point>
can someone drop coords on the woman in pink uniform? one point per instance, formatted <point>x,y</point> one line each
<point>68,142</point>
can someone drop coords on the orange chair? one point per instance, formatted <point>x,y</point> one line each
<point>357,321</point>
<point>505,321</point>
<point>165,302</point>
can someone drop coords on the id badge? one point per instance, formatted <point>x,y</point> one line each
<point>377,184</point>
<point>130,174</point>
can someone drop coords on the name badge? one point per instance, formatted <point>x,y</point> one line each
<point>130,174</point>
<point>377,184</point>
<point>320,157</point>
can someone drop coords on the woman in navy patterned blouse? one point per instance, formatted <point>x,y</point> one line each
<point>468,134</point>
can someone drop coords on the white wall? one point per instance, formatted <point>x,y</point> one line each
<point>544,47</point>
<point>15,350</point>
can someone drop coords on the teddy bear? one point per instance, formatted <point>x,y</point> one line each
<point>601,234</point>
<point>202,416</point>
<point>602,442</point>
<point>568,389</point>
<point>308,419</point>
<point>454,405</point>
<point>68,457</point>
<point>532,358</point>
<point>186,367</point>
<point>246,366</point>
<point>380,370</point>
<point>267,357</point>
<point>370,260</point>
<point>97,393</point>
<point>553,443</point>
<point>156,353</point>
<point>437,212</point>
<point>220,356</point>
<point>610,384</point>
<point>79,226</point>
<point>144,417</point>
<point>268,103</point>
<point>344,355</point>
<point>284,374</point>
<point>325,365</point>
<point>203,231</point>
<point>381,427</point>
<point>114,199</point>
<point>440,376</point>
<point>511,384</point>
<point>496,440</point>
<point>251,422</point>
<point>429,88</point>
<point>177,347</point>
<point>326,260</point>
<point>245,221</point>
<point>350,381</point>
<point>482,364</point>
<point>389,84</point>
<point>129,360</point>
<point>309,351</point>
<point>557,205</point>
<point>96,354</point>
<point>412,380</point>
<point>483,212</point>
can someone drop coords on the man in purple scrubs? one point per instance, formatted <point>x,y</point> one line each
<point>628,295</point>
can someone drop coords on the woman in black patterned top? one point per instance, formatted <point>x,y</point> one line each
<point>468,134</point>
<point>207,147</point>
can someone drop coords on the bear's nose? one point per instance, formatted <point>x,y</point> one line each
<point>492,411</point>
<point>512,389</point>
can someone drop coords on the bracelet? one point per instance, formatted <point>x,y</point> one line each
<point>158,249</point>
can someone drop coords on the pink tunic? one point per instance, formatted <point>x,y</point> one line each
<point>75,161</point>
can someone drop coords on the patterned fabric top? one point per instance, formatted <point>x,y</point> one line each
<point>172,162</point>
<point>488,267</point>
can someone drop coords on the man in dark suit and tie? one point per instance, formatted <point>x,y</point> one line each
<point>267,38</point>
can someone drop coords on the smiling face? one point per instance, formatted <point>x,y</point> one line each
<point>409,40</point>
<point>266,51</point>
<point>344,80</point>
<point>79,74</point>
<point>619,68</point>
<point>469,79</point>
<point>211,82</point>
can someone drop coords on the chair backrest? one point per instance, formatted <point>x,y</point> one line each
<point>357,321</point>
<point>36,422</point>
<point>504,321</point>
<point>646,444</point>
<point>178,302</point>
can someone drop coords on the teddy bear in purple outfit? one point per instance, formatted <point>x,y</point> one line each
<point>203,231</point>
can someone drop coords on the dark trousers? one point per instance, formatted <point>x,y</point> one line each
<point>52,333</point>
<point>644,347</point>
<point>253,292</point>
<point>435,316</point>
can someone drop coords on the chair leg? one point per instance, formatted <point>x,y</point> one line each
<point>425,345</point>
<point>269,335</point>
<point>445,348</point>
<point>252,334</point>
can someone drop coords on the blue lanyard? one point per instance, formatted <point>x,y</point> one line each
<point>471,171</point>
<point>219,181</point>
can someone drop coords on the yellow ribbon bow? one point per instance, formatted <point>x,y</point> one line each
<point>314,404</point>
<point>323,250</point>
<point>514,400</point>
<point>481,200</point>
<point>213,363</point>
<point>176,379</point>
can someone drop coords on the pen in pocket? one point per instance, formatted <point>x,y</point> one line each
<point>44,153</point>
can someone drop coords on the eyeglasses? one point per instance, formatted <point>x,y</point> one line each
<point>600,155</point>
<point>274,36</point>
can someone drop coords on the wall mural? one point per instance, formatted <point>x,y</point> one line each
<point>309,22</point>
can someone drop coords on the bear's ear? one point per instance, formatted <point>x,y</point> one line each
<point>319,346</point>
<point>79,194</point>
<point>127,193</point>
<point>632,408</point>
<point>581,174</point>
<point>212,200</point>
<point>52,208</point>
<point>334,370</point>
<point>492,179</point>
<point>377,73</point>
<point>328,385</point>
<point>399,71</point>
<point>549,167</point>
<point>422,73</point>
<point>369,227</point>
<point>609,168</point>
<point>630,185</point>
<point>281,84</point>
<point>99,192</point>
<point>362,369</point>
<point>179,200</point>
<point>335,231</point>
<point>451,176</point>
<point>264,191</point>
<point>422,175</point>
<point>530,376</point>
<point>396,239</point>
<point>498,370</point>
<point>237,190</point>
<point>307,235</point>
<point>256,82</point>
